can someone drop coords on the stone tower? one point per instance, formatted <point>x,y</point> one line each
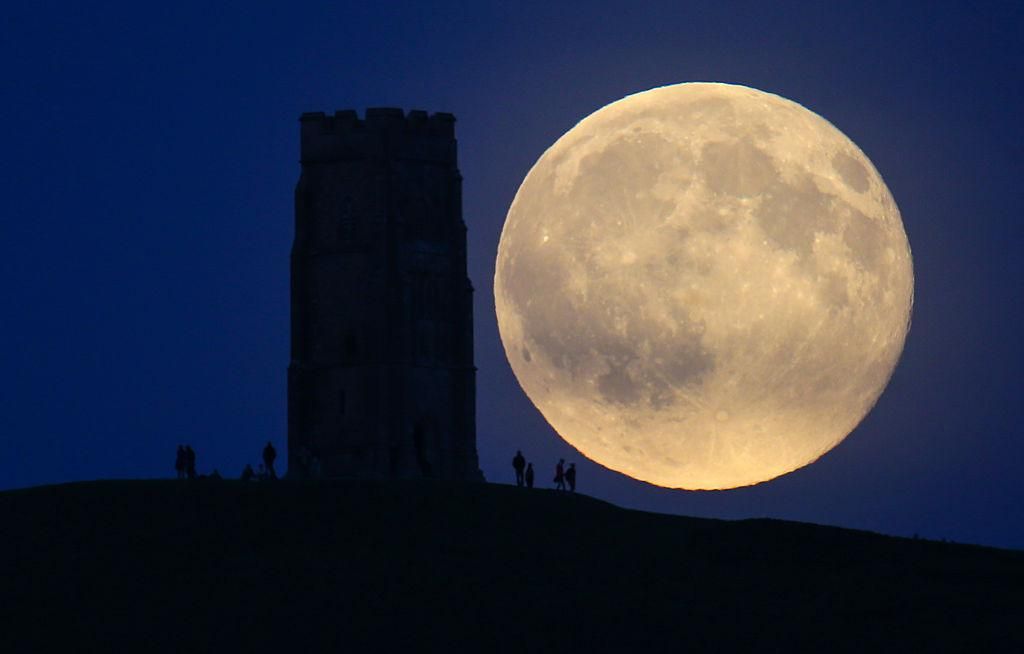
<point>381,381</point>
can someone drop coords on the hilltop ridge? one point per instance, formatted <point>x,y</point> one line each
<point>422,566</point>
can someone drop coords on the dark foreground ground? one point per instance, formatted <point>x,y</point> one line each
<point>394,566</point>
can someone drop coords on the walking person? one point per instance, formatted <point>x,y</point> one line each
<point>269,456</point>
<point>529,475</point>
<point>190,462</point>
<point>570,477</point>
<point>518,463</point>
<point>560,475</point>
<point>179,462</point>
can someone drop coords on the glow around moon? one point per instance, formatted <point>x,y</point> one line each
<point>703,286</point>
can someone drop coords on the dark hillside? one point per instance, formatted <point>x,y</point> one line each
<point>392,566</point>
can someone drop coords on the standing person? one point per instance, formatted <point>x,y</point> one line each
<point>570,477</point>
<point>179,462</point>
<point>560,475</point>
<point>529,475</point>
<point>518,463</point>
<point>190,462</point>
<point>269,455</point>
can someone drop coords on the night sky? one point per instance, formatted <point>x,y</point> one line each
<point>150,153</point>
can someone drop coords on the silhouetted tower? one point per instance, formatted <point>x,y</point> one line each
<point>381,381</point>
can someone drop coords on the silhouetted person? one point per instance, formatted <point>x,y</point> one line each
<point>190,462</point>
<point>179,462</point>
<point>570,477</point>
<point>248,473</point>
<point>518,463</point>
<point>269,455</point>
<point>560,475</point>
<point>529,475</point>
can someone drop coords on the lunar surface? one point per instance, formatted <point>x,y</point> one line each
<point>703,286</point>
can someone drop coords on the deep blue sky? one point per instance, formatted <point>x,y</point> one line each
<point>150,154</point>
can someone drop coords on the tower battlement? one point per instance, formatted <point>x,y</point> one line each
<point>384,132</point>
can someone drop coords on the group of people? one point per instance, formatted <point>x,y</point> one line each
<point>185,467</point>
<point>565,478</point>
<point>267,471</point>
<point>185,464</point>
<point>524,470</point>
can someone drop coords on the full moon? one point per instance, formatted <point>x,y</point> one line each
<point>703,286</point>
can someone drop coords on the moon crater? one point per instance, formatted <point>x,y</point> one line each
<point>703,286</point>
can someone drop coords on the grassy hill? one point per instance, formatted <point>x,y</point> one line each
<point>142,566</point>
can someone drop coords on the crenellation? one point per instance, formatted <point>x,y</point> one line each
<point>444,122</point>
<point>312,116</point>
<point>417,118</point>
<point>383,118</point>
<point>346,118</point>
<point>384,132</point>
